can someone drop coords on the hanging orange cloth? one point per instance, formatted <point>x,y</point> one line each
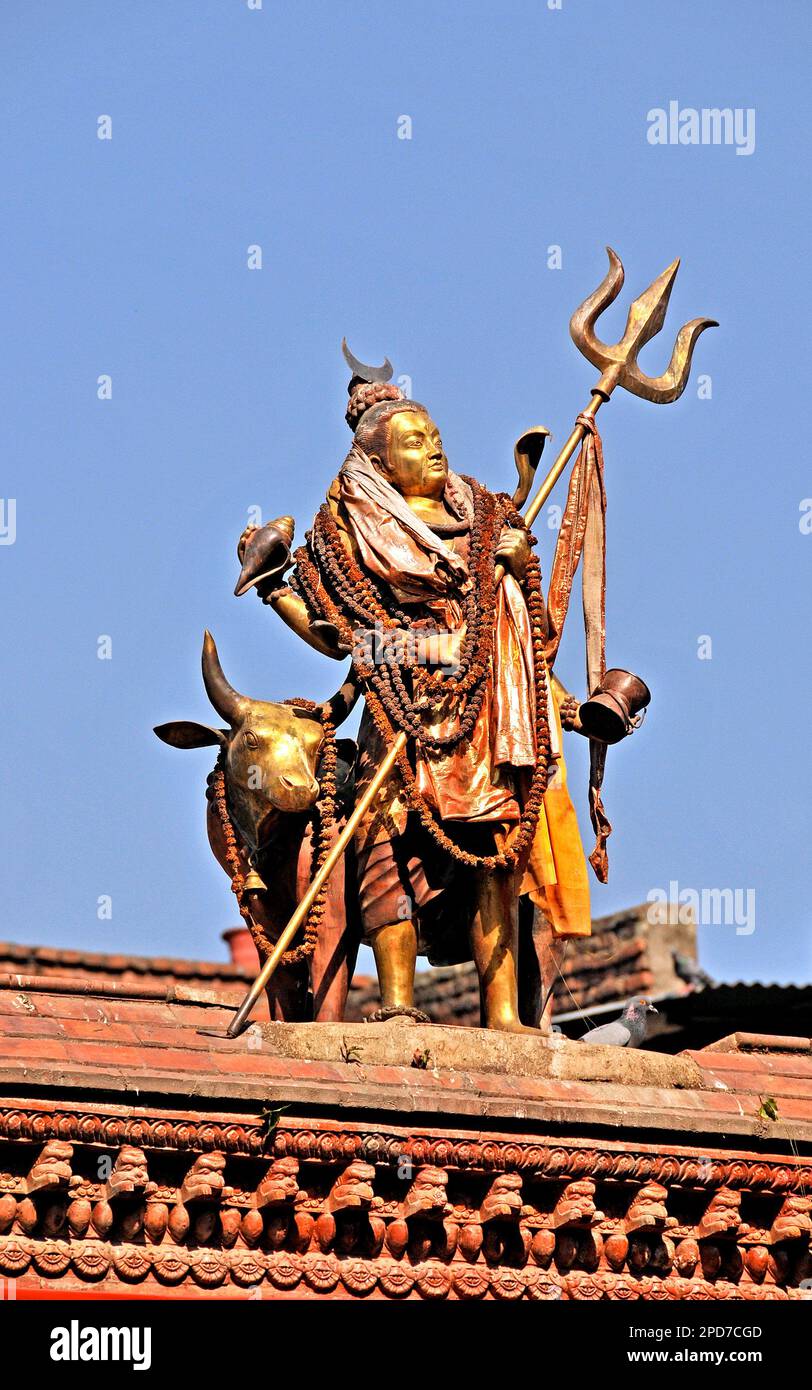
<point>583,532</point>
<point>555,876</point>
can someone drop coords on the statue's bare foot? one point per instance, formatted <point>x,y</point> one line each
<point>514,1025</point>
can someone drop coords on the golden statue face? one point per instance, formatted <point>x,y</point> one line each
<point>415,460</point>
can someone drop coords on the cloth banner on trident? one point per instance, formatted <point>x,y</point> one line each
<point>583,532</point>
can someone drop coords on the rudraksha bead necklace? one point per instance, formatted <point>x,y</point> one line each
<point>401,692</point>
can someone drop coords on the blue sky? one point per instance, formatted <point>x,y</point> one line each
<point>278,127</point>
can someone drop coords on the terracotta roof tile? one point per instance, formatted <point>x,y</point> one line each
<point>118,1043</point>
<point>58,959</point>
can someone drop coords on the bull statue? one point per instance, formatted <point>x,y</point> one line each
<point>270,760</point>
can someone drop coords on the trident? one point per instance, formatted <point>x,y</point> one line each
<point>618,361</point>
<point>618,364</point>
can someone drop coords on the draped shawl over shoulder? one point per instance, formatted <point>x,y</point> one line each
<point>430,574</point>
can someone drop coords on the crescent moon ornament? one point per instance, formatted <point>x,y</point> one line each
<point>361,370</point>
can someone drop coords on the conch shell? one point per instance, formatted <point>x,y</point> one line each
<point>267,554</point>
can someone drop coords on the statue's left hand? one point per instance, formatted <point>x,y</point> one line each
<point>513,551</point>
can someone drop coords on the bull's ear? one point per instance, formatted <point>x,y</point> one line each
<point>184,733</point>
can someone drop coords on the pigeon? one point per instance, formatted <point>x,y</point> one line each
<point>630,1030</point>
<point>689,971</point>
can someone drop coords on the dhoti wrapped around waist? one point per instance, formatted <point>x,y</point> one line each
<point>403,873</point>
<point>410,877</point>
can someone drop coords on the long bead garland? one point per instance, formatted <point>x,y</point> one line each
<point>325,816</point>
<point>337,590</point>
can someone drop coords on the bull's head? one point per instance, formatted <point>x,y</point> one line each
<point>271,751</point>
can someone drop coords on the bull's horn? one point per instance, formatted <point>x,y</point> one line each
<point>343,702</point>
<point>222,695</point>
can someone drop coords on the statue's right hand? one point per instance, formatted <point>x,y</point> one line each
<point>243,541</point>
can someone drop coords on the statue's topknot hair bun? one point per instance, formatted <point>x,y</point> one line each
<point>366,394</point>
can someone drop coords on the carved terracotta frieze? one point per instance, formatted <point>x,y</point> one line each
<point>365,1211</point>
